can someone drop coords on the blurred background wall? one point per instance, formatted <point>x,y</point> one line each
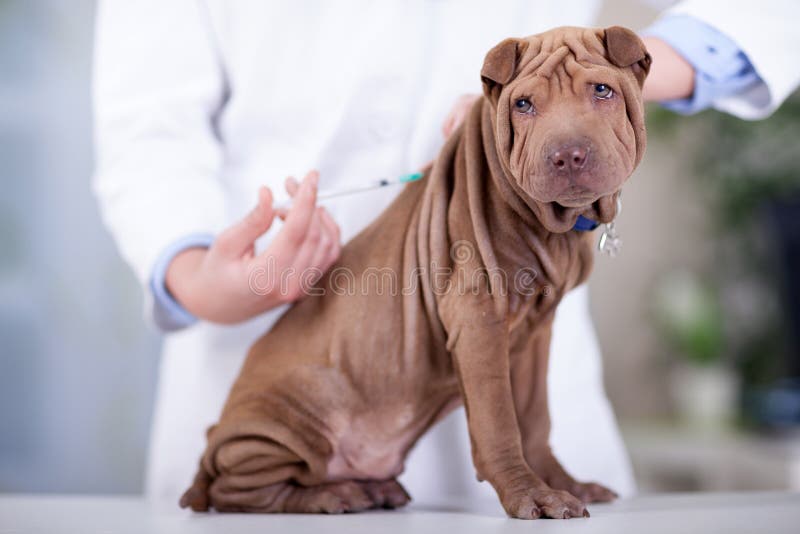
<point>662,195</point>
<point>78,364</point>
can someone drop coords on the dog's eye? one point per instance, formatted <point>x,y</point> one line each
<point>523,105</point>
<point>602,90</point>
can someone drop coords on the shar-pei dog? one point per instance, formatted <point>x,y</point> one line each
<point>329,402</point>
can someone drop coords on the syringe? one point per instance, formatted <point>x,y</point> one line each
<point>325,195</point>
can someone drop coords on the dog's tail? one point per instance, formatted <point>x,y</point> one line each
<point>196,497</point>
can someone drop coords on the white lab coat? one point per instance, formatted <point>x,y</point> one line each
<point>199,103</point>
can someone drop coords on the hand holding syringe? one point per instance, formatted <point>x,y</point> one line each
<point>217,283</point>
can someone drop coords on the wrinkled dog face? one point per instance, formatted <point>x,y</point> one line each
<point>569,118</point>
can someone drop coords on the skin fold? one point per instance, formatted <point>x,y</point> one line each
<point>447,298</point>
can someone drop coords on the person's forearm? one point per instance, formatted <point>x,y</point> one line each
<point>671,76</point>
<point>179,277</point>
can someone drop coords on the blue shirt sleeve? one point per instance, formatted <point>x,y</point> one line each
<point>168,314</point>
<point>721,68</point>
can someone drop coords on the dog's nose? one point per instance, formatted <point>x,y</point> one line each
<point>569,157</point>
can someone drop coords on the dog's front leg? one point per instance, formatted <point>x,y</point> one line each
<point>479,345</point>
<point>529,361</point>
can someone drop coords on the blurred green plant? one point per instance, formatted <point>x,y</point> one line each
<point>739,163</point>
<point>688,314</point>
<point>749,162</point>
<point>742,169</point>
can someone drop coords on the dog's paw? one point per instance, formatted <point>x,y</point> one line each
<point>386,493</point>
<point>592,492</point>
<point>333,498</point>
<point>196,499</point>
<point>552,472</point>
<point>536,503</point>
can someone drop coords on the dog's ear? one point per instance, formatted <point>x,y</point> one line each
<point>500,66</point>
<point>625,49</point>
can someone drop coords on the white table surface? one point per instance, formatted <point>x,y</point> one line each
<point>762,512</point>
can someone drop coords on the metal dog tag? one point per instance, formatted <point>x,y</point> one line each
<point>610,243</point>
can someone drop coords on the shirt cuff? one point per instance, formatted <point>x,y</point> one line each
<point>168,314</point>
<point>721,68</point>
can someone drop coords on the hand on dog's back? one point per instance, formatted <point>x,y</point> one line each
<point>458,113</point>
<point>228,283</point>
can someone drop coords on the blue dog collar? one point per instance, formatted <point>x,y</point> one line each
<point>584,224</point>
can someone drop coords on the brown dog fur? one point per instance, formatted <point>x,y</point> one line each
<point>472,260</point>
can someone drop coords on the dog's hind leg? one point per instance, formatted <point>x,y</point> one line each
<point>289,497</point>
<point>329,498</point>
<point>254,472</point>
<point>251,464</point>
<point>246,469</point>
<point>250,486</point>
